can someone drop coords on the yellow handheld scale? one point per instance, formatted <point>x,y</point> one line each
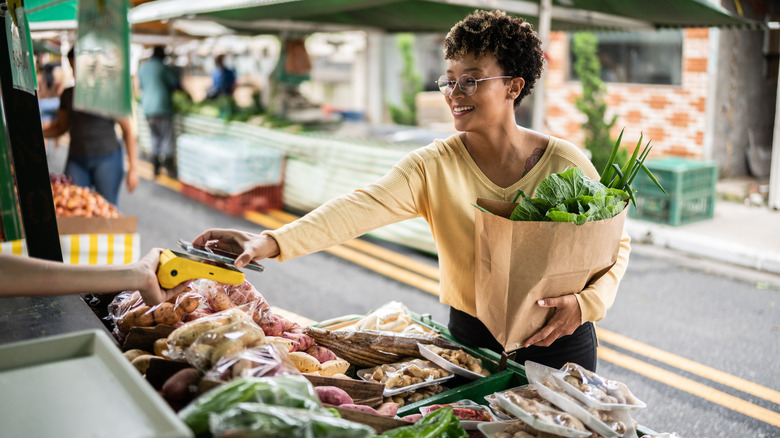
<point>176,268</point>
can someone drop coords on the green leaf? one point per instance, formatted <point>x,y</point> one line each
<point>481,209</point>
<point>652,178</point>
<point>607,173</point>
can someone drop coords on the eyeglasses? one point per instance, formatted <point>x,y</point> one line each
<point>466,83</point>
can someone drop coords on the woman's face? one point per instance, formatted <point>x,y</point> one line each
<point>489,106</point>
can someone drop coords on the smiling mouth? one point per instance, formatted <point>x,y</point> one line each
<point>461,110</point>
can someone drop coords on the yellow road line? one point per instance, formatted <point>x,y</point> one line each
<point>690,386</point>
<point>359,258</point>
<point>688,365</point>
<point>376,251</point>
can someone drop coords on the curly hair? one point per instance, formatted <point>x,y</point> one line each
<point>511,40</point>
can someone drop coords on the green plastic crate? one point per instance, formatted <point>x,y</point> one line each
<point>690,185</point>
<point>474,391</point>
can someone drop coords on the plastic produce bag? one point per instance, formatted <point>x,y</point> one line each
<point>254,420</point>
<point>127,310</point>
<point>262,361</point>
<point>440,424</point>
<point>289,391</point>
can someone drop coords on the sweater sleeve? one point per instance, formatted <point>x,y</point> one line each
<point>390,199</point>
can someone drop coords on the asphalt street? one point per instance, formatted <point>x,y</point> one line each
<point>694,339</point>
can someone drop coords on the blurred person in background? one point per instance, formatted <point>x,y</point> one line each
<point>223,79</point>
<point>95,156</point>
<point>158,82</point>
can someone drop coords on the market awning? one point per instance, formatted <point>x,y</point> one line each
<point>437,15</point>
<point>51,14</point>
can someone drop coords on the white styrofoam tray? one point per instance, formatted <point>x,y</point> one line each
<point>79,385</point>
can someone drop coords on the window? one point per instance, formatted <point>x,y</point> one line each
<point>639,57</point>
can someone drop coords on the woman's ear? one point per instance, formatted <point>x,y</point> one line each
<point>515,87</point>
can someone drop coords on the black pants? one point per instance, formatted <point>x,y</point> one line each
<point>578,347</point>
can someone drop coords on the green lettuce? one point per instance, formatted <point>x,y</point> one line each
<point>442,423</point>
<point>569,196</point>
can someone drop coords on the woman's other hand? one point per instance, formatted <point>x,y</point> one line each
<point>565,320</point>
<point>249,246</point>
<point>151,291</point>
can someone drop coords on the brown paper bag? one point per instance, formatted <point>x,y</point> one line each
<point>518,263</point>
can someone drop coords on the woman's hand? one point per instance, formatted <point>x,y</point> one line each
<point>249,246</point>
<point>151,291</point>
<point>565,320</point>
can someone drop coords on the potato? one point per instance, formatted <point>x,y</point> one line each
<point>132,354</point>
<point>182,386</point>
<point>143,316</point>
<point>199,356</point>
<point>304,362</point>
<point>361,408</point>
<point>188,333</point>
<point>320,353</point>
<point>388,409</point>
<point>160,347</point>
<point>332,367</point>
<point>333,395</point>
<point>225,348</point>
<point>220,300</point>
<point>272,325</point>
<point>141,363</point>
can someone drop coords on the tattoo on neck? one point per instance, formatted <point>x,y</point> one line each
<point>534,158</point>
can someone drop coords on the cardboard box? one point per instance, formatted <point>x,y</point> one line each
<point>97,225</point>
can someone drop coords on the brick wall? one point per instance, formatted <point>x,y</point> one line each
<point>672,116</point>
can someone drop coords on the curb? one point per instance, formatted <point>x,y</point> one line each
<point>704,246</point>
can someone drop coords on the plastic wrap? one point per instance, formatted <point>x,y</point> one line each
<point>468,412</point>
<point>261,361</point>
<point>454,361</point>
<point>290,391</point>
<point>523,403</point>
<point>254,420</point>
<point>390,317</point>
<point>595,391</point>
<point>127,310</point>
<point>607,423</point>
<point>405,376</point>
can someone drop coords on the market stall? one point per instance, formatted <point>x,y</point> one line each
<point>219,360</point>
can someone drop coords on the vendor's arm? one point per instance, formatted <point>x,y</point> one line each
<point>131,146</point>
<point>59,126</point>
<point>23,276</point>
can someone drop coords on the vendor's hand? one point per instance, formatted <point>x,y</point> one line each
<point>151,291</point>
<point>249,246</point>
<point>565,320</point>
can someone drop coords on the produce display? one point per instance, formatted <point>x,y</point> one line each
<point>231,367</point>
<point>73,200</point>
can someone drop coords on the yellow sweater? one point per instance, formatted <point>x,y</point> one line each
<point>440,182</point>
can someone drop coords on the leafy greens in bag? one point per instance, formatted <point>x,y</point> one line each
<point>442,423</point>
<point>569,196</point>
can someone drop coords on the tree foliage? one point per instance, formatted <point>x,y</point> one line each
<point>592,102</point>
<point>411,83</point>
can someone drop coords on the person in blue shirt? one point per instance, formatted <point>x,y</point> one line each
<point>158,82</point>
<point>223,79</point>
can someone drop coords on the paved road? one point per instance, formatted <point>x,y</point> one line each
<point>697,341</point>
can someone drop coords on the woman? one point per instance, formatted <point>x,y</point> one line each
<point>494,61</point>
<point>23,276</point>
<point>95,153</point>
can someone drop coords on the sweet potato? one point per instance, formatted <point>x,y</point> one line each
<point>333,367</point>
<point>164,314</point>
<point>304,341</point>
<point>333,395</point>
<point>320,353</point>
<point>219,300</point>
<point>304,362</point>
<point>188,302</point>
<point>271,324</point>
<point>361,408</point>
<point>387,409</point>
<point>182,386</point>
<point>285,343</point>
